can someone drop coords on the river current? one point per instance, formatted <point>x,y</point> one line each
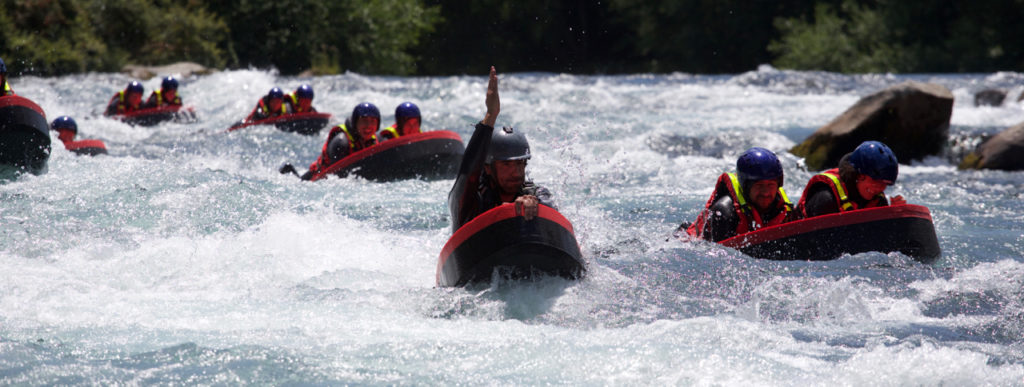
<point>183,257</point>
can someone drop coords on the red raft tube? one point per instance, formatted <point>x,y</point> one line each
<point>156,115</point>
<point>86,147</point>
<point>428,155</point>
<point>301,123</point>
<point>24,134</point>
<point>905,228</point>
<point>502,240</point>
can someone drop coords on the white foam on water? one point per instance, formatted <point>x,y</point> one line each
<point>183,256</point>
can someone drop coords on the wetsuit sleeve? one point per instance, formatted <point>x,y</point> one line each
<point>721,220</point>
<point>112,106</point>
<point>462,199</point>
<point>820,202</point>
<point>545,197</point>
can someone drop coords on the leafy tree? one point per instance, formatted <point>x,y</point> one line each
<point>901,36</point>
<point>855,39</point>
<point>180,32</point>
<point>378,36</point>
<point>50,38</point>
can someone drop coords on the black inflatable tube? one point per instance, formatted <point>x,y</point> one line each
<point>518,248</point>
<point>429,155</point>
<point>24,134</point>
<point>907,229</point>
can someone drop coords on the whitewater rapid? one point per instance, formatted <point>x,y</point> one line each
<point>183,257</point>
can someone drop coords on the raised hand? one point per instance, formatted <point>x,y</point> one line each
<point>492,101</point>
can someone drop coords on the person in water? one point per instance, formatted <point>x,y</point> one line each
<point>745,201</point>
<point>407,121</point>
<point>493,169</point>
<point>127,100</point>
<point>269,106</point>
<point>357,133</point>
<point>166,96</point>
<point>300,100</point>
<point>859,182</point>
<point>5,88</point>
<point>66,129</point>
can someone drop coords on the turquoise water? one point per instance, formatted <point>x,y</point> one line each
<point>183,257</point>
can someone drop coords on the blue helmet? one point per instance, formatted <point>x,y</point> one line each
<point>169,83</point>
<point>275,93</point>
<point>758,164</point>
<point>134,87</point>
<point>508,144</point>
<point>305,91</point>
<point>875,159</point>
<point>365,109</point>
<point>65,123</point>
<point>407,110</point>
<point>3,67</point>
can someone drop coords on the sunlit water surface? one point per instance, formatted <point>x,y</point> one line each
<point>184,257</point>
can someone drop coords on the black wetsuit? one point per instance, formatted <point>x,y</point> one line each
<point>473,193</point>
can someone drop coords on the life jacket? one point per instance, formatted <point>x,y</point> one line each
<point>121,105</point>
<point>324,160</point>
<point>389,133</point>
<point>294,101</point>
<point>267,111</point>
<point>7,89</point>
<point>749,218</point>
<point>160,99</point>
<point>839,191</point>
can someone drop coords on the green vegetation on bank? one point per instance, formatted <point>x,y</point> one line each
<point>439,37</point>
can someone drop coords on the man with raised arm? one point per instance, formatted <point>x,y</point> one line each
<point>493,169</point>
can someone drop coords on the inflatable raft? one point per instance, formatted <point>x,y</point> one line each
<point>428,155</point>
<point>302,123</point>
<point>500,240</point>
<point>24,134</point>
<point>86,147</point>
<point>906,228</point>
<point>156,115</point>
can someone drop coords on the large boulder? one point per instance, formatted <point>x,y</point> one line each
<point>912,118</point>
<point>182,69</point>
<point>989,97</point>
<point>1003,151</point>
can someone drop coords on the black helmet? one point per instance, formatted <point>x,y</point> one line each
<point>508,144</point>
<point>65,123</point>
<point>758,164</point>
<point>365,109</point>
<point>275,93</point>
<point>875,159</point>
<point>305,92</point>
<point>407,110</point>
<point>169,83</point>
<point>134,87</point>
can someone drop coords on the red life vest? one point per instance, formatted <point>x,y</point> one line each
<point>270,112</point>
<point>122,106</point>
<point>293,100</point>
<point>324,161</point>
<point>160,99</point>
<point>831,179</point>
<point>749,218</point>
<point>389,133</point>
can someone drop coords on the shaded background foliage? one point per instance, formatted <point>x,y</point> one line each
<point>440,37</point>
